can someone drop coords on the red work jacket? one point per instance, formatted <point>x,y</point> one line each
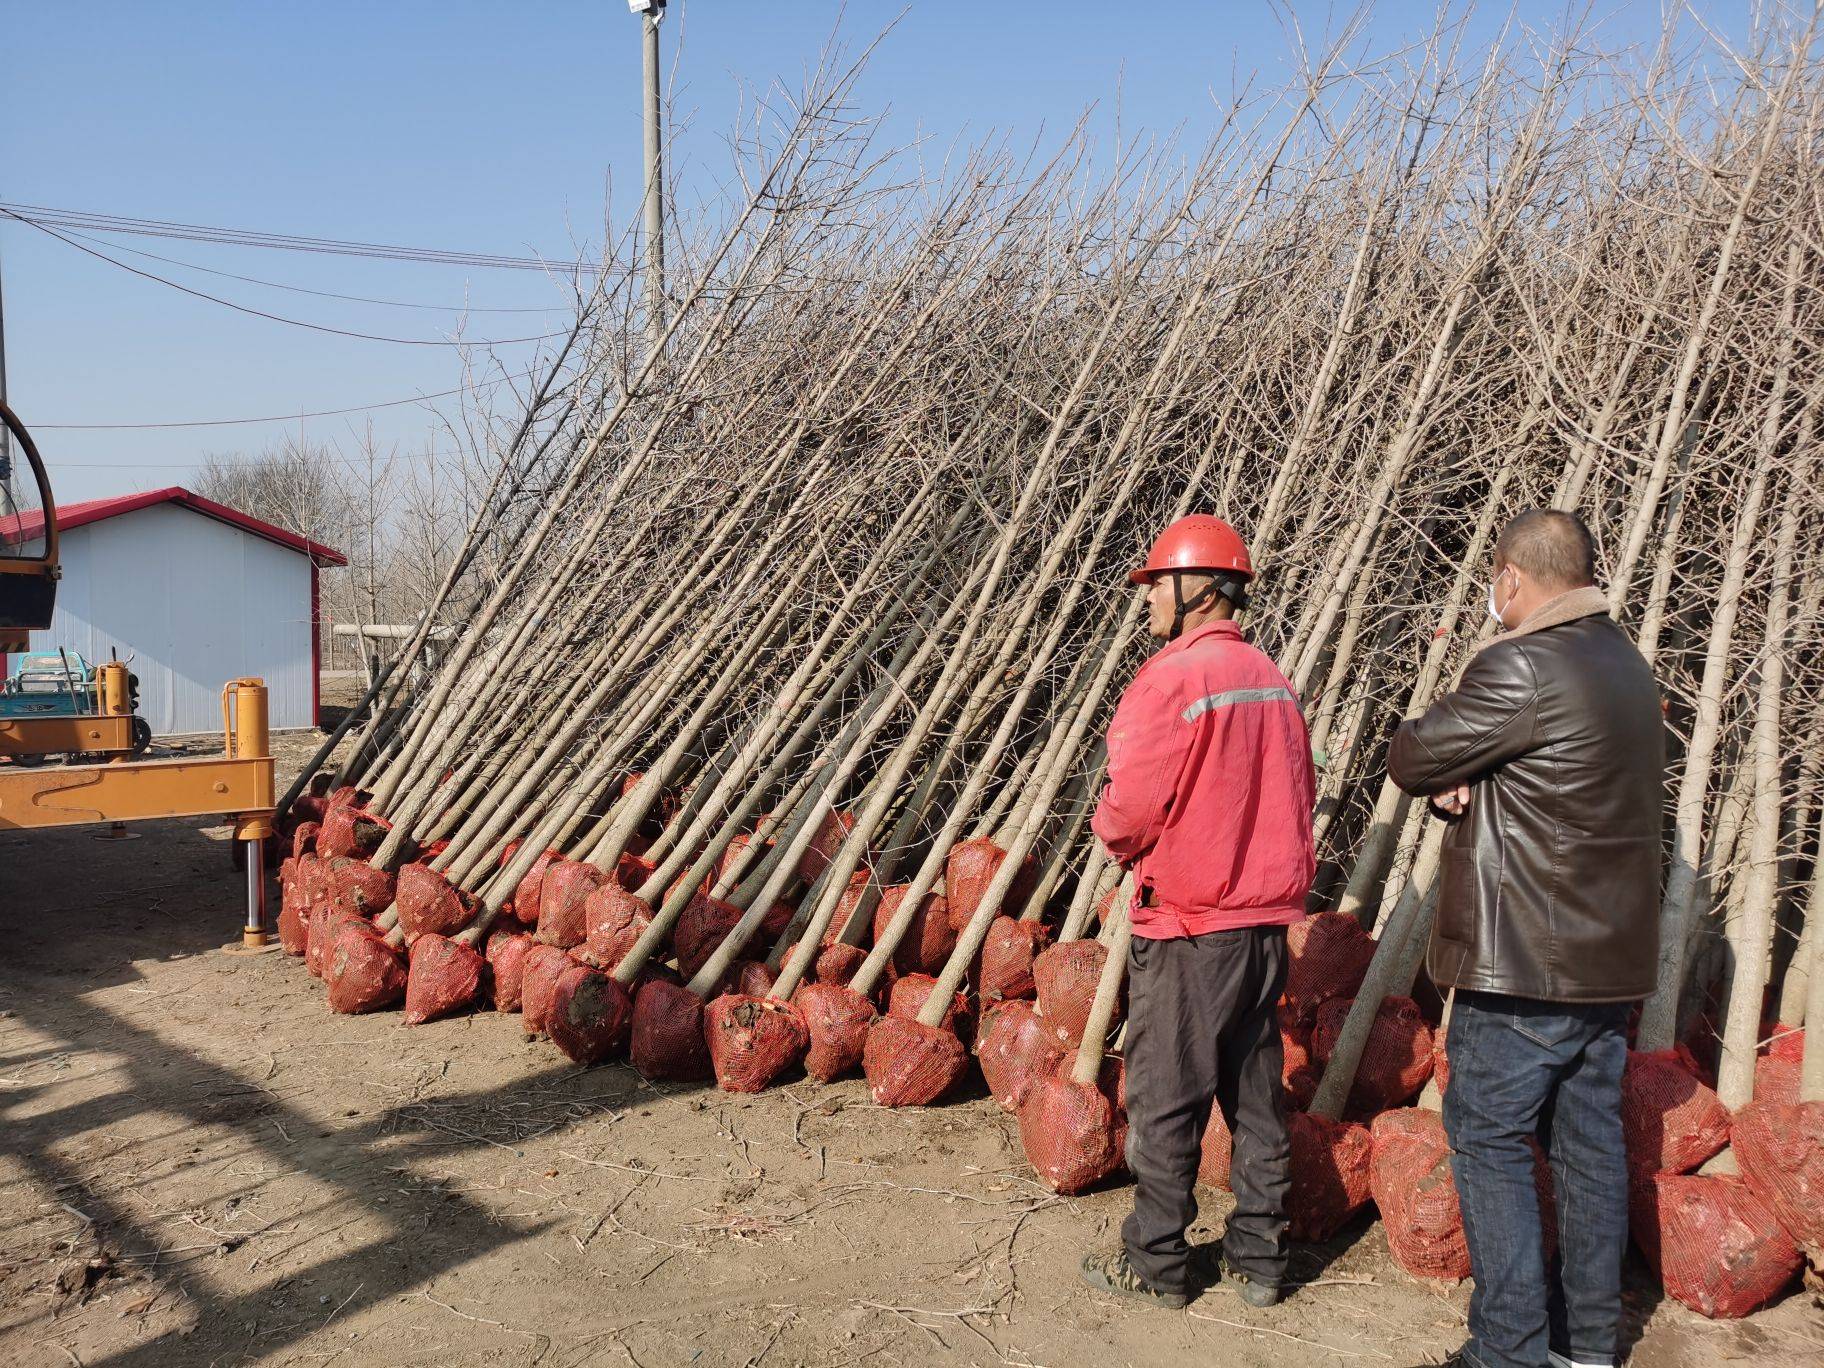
<point>1210,789</point>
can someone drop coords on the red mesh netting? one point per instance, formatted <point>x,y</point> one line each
<point>1218,1150</point>
<point>846,906</point>
<point>1673,1123</point>
<point>1411,1182</point>
<point>968,870</point>
<point>356,886</point>
<point>1788,1043</point>
<point>1105,905</point>
<point>1111,1077</point>
<point>364,973</point>
<point>752,1040</point>
<point>928,940</point>
<point>837,1019</point>
<point>348,793</point>
<point>1066,976</point>
<point>309,809</point>
<point>588,1015</point>
<point>1780,1148</point>
<point>734,857</point>
<point>507,968</point>
<point>753,978</point>
<point>312,877</point>
<point>1003,970</point>
<point>562,896</point>
<point>910,994</point>
<point>428,903</point>
<point>323,925</point>
<point>347,830</point>
<point>614,919</point>
<point>909,1064</point>
<point>1396,1060</point>
<point>1440,1061</point>
<point>1722,1252</point>
<point>1298,1076</point>
<point>294,932</point>
<point>304,838</point>
<point>666,1041</point>
<point>538,981</point>
<point>1072,1134</point>
<point>630,871</point>
<point>837,964</point>
<point>702,926</point>
<point>1776,1080</point>
<point>1327,957</point>
<point>524,905</point>
<point>1331,1161</point>
<point>1014,1046</point>
<point>445,977</point>
<point>832,831</point>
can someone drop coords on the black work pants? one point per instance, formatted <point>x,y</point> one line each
<point>1202,1026</point>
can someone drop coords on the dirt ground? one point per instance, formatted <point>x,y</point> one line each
<point>199,1164</point>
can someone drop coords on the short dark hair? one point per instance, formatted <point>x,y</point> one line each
<point>1553,547</point>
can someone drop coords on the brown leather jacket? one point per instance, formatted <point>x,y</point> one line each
<point>1549,886</point>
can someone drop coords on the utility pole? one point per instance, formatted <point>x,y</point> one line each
<point>650,12</point>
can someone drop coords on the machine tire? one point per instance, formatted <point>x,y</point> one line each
<point>142,735</point>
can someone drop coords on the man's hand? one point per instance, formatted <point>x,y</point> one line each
<point>1452,802</point>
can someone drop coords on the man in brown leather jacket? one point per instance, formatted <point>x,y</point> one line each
<point>1548,762</point>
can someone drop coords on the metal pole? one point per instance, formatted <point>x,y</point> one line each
<point>655,186</point>
<point>6,437</point>
<point>254,933</point>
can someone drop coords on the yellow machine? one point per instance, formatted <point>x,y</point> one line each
<point>237,784</point>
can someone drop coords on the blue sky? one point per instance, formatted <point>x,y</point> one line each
<point>477,127</point>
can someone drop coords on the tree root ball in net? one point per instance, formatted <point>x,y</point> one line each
<point>1014,1046</point>
<point>927,942</point>
<point>1411,1182</point>
<point>1722,1252</point>
<point>1218,1150</point>
<point>507,968</point>
<point>446,977</point>
<point>562,899</point>
<point>1672,1122</point>
<point>323,926</point>
<point>908,996</point>
<point>614,919</point>
<point>1072,1134</point>
<point>364,972</point>
<point>356,886</point>
<point>428,903</point>
<point>832,831</point>
<point>347,830</point>
<point>968,870</point>
<point>631,872</point>
<point>837,963</point>
<point>538,982</point>
<point>751,978</point>
<point>1780,1149</point>
<point>1396,1059</point>
<point>837,1019</point>
<point>524,905</point>
<point>1326,957</point>
<point>702,927</point>
<point>1788,1043</point>
<point>1066,976</point>
<point>1299,1075</point>
<point>1775,1080</point>
<point>753,1040</point>
<point>1330,1175</point>
<point>1003,970</point>
<point>294,930</point>
<point>304,838</point>
<point>910,1064</point>
<point>666,1038</point>
<point>588,1015</point>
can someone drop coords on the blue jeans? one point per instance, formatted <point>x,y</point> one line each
<point>1521,1069</point>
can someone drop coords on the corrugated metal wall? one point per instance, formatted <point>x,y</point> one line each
<point>196,603</point>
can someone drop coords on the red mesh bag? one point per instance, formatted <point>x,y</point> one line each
<point>1396,1060</point>
<point>445,978</point>
<point>702,927</point>
<point>588,1015</point>
<point>1788,1043</point>
<point>909,1064</point>
<point>507,969</point>
<point>910,994</point>
<point>837,1019</point>
<point>1722,1252</point>
<point>347,830</point>
<point>928,940</point>
<point>562,896</point>
<point>1105,905</point>
<point>1775,1080</point>
<point>1014,1046</point>
<point>524,904</point>
<point>294,932</point>
<point>734,856</point>
<point>364,974</point>
<point>1440,1062</point>
<point>312,880</point>
<point>304,838</point>
<point>1411,1183</point>
<point>307,808</point>
<point>666,1041</point>
<point>428,903</point>
<point>356,886</point>
<point>1672,1122</point>
<point>1218,1150</point>
<point>538,981</point>
<point>832,831</point>
<point>1003,970</point>
<point>1072,1133</point>
<point>630,872</point>
<point>342,796</point>
<point>837,964</point>
<point>1780,1149</point>
<point>968,870</point>
<point>846,906</point>
<point>323,925</point>
<point>751,978</point>
<point>1331,1161</point>
<point>1066,976</point>
<point>1298,1076</point>
<point>1111,1077</point>
<point>752,1040</point>
<point>614,919</point>
<point>1326,957</point>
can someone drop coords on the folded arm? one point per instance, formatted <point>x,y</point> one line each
<point>1489,720</point>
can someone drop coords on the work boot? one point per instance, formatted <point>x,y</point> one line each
<point>1250,1289</point>
<point>1113,1273</point>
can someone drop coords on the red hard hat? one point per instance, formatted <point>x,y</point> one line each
<point>1199,542</point>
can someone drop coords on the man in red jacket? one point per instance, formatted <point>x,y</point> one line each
<point>1208,802</point>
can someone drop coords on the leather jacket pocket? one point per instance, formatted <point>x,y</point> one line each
<point>1456,915</point>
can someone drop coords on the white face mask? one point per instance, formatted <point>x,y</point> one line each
<point>1495,609</point>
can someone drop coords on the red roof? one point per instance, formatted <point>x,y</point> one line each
<point>95,510</point>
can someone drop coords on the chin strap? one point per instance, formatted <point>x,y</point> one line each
<point>1182,607</point>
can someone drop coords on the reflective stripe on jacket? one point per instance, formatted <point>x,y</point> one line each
<point>1210,789</point>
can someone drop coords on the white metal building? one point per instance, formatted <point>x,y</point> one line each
<point>196,593</point>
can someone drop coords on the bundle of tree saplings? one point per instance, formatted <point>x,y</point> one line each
<point>771,726</point>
